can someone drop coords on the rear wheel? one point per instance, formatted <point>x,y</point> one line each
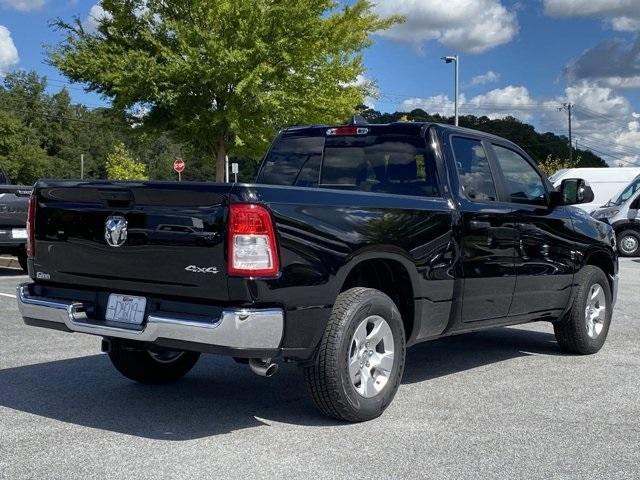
<point>586,329</point>
<point>359,364</point>
<point>151,366</point>
<point>629,243</point>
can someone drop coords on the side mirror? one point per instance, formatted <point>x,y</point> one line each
<point>573,191</point>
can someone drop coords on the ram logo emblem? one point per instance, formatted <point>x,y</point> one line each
<point>115,231</point>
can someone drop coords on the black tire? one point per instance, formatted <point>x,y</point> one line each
<point>22,260</point>
<point>572,333</point>
<point>622,237</point>
<point>148,367</point>
<point>328,379</point>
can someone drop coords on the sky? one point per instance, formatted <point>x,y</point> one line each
<point>524,58</point>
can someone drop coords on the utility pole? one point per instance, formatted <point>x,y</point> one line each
<point>456,60</point>
<point>569,108</point>
<point>81,166</point>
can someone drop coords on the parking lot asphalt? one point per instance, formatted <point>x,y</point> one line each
<point>504,403</point>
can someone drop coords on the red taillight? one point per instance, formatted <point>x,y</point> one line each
<point>347,131</point>
<point>31,227</point>
<point>251,242</point>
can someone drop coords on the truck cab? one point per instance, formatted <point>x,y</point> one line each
<point>621,212</point>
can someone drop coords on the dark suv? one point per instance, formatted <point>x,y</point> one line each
<point>13,219</point>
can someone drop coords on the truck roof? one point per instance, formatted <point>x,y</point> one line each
<point>408,128</point>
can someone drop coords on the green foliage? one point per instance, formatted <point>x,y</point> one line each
<point>44,135</point>
<point>122,166</point>
<point>552,164</point>
<point>224,75</point>
<point>21,157</point>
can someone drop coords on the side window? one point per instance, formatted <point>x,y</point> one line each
<point>523,184</point>
<point>396,164</point>
<point>473,169</point>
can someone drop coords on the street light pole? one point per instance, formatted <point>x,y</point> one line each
<point>456,60</point>
<point>457,86</point>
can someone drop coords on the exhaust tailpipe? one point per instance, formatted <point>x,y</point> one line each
<point>263,367</point>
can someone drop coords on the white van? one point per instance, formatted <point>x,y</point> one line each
<point>621,212</point>
<point>605,182</point>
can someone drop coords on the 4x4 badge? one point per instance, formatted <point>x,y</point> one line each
<point>194,269</point>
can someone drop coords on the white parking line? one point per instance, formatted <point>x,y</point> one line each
<point>8,295</point>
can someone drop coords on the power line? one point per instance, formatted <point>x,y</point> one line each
<point>66,85</point>
<point>613,146</point>
<point>611,155</point>
<point>54,116</point>
<point>595,115</point>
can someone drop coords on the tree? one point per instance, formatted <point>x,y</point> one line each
<point>23,160</point>
<point>122,166</point>
<point>552,164</point>
<point>225,75</point>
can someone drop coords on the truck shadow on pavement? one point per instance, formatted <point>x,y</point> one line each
<point>12,272</point>
<point>220,396</point>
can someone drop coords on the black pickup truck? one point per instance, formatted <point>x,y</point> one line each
<point>355,242</point>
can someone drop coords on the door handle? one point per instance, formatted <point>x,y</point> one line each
<point>477,225</point>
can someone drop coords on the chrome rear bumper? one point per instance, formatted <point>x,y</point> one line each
<point>235,328</point>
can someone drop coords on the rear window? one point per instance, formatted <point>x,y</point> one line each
<point>397,164</point>
<point>293,161</point>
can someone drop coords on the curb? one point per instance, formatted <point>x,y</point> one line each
<point>9,262</point>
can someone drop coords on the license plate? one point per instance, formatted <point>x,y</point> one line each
<point>19,233</point>
<point>125,309</point>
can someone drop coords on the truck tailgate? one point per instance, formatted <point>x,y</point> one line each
<point>175,237</point>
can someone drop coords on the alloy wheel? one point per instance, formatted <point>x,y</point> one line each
<point>596,311</point>
<point>371,356</point>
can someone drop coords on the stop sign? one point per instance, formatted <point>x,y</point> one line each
<point>178,165</point>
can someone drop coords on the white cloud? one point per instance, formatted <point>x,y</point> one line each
<point>612,63</point>
<point>472,26</point>
<point>625,24</point>
<point>603,120</point>
<point>501,102</point>
<point>372,88</point>
<point>622,15</point>
<point>96,15</point>
<point>23,5</point>
<point>497,103</point>
<point>489,77</point>
<point>441,104</point>
<point>8,51</point>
